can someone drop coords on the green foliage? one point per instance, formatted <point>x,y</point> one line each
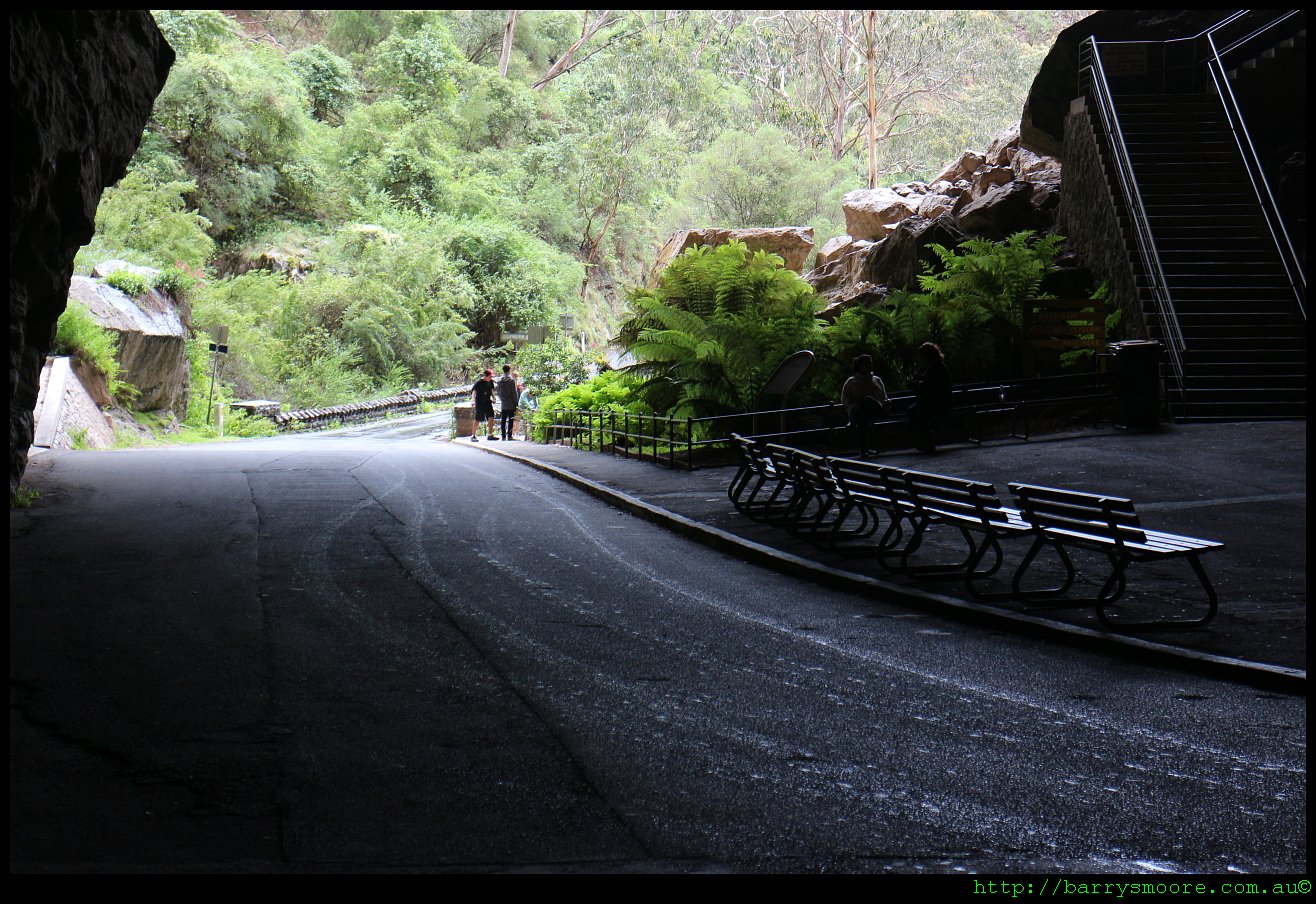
<point>518,279</point>
<point>194,30</point>
<point>23,497</point>
<point>890,334</point>
<point>129,283</point>
<point>243,425</point>
<point>354,31</point>
<point>418,63</point>
<point>153,218</point>
<point>760,178</point>
<point>974,306</point>
<point>330,84</point>
<point>493,112</point>
<point>708,337</point>
<point>178,281</point>
<point>611,390</point>
<point>78,334</point>
<point>237,121</point>
<point>552,365</point>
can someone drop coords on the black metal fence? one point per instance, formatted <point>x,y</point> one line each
<point>679,442</point>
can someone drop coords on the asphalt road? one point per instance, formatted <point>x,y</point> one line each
<point>353,653</point>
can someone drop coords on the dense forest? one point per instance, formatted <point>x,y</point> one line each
<point>368,198</point>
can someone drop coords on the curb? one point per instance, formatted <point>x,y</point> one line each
<point>1262,675</point>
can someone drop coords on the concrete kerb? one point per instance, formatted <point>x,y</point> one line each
<point>1262,675</point>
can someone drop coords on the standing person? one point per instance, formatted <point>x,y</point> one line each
<point>517,425</point>
<point>932,395</point>
<point>482,395</point>
<point>507,399</point>
<point>865,400</point>
<point>527,405</point>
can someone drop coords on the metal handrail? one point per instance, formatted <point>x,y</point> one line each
<point>1215,66</point>
<point>1147,251</point>
<point>599,430</point>
<point>1251,159</point>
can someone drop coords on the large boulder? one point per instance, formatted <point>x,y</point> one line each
<point>863,271</point>
<point>152,341</point>
<point>791,243</point>
<point>898,261</point>
<point>870,213</point>
<point>81,86</point>
<point>1003,210</point>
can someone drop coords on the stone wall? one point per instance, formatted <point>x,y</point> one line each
<point>81,86</point>
<point>1087,218</point>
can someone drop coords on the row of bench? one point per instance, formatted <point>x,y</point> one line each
<point>883,511</point>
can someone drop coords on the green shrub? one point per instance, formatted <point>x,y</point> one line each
<point>129,283</point>
<point>239,423</point>
<point>177,281</point>
<point>78,334</point>
<point>709,336</point>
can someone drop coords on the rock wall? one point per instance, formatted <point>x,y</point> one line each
<point>791,243</point>
<point>1087,218</point>
<point>81,86</point>
<point>890,230</point>
<point>152,342</point>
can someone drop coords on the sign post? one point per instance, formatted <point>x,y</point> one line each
<point>218,347</point>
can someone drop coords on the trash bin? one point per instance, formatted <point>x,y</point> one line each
<point>1138,382</point>
<point>463,420</point>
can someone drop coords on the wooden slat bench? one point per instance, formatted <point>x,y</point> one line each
<point>1109,525</point>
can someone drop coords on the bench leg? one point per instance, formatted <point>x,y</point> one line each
<point>835,527</point>
<point>946,570</point>
<point>888,541</point>
<point>1044,593</point>
<point>1115,586</point>
<point>976,574</point>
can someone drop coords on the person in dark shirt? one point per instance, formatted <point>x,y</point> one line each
<point>865,400</point>
<point>932,395</point>
<point>482,394</point>
<point>508,396</point>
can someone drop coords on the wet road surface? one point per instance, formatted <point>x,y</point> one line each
<point>350,652</point>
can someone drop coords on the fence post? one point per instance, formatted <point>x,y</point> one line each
<point>671,444</point>
<point>689,444</point>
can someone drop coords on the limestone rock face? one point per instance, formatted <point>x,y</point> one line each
<point>152,341</point>
<point>791,243</point>
<point>81,86</point>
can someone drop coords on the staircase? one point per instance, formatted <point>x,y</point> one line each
<point>1245,349</point>
<point>1214,285</point>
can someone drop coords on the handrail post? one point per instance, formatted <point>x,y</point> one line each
<point>689,444</point>
<point>671,444</point>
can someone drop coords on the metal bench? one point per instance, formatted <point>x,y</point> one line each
<point>821,513</point>
<point>971,507</point>
<point>757,488</point>
<point>873,491</point>
<point>1109,525</point>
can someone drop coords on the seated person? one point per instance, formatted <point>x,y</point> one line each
<point>865,400</point>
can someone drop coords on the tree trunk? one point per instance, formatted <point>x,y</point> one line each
<point>871,52</point>
<point>509,35</point>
